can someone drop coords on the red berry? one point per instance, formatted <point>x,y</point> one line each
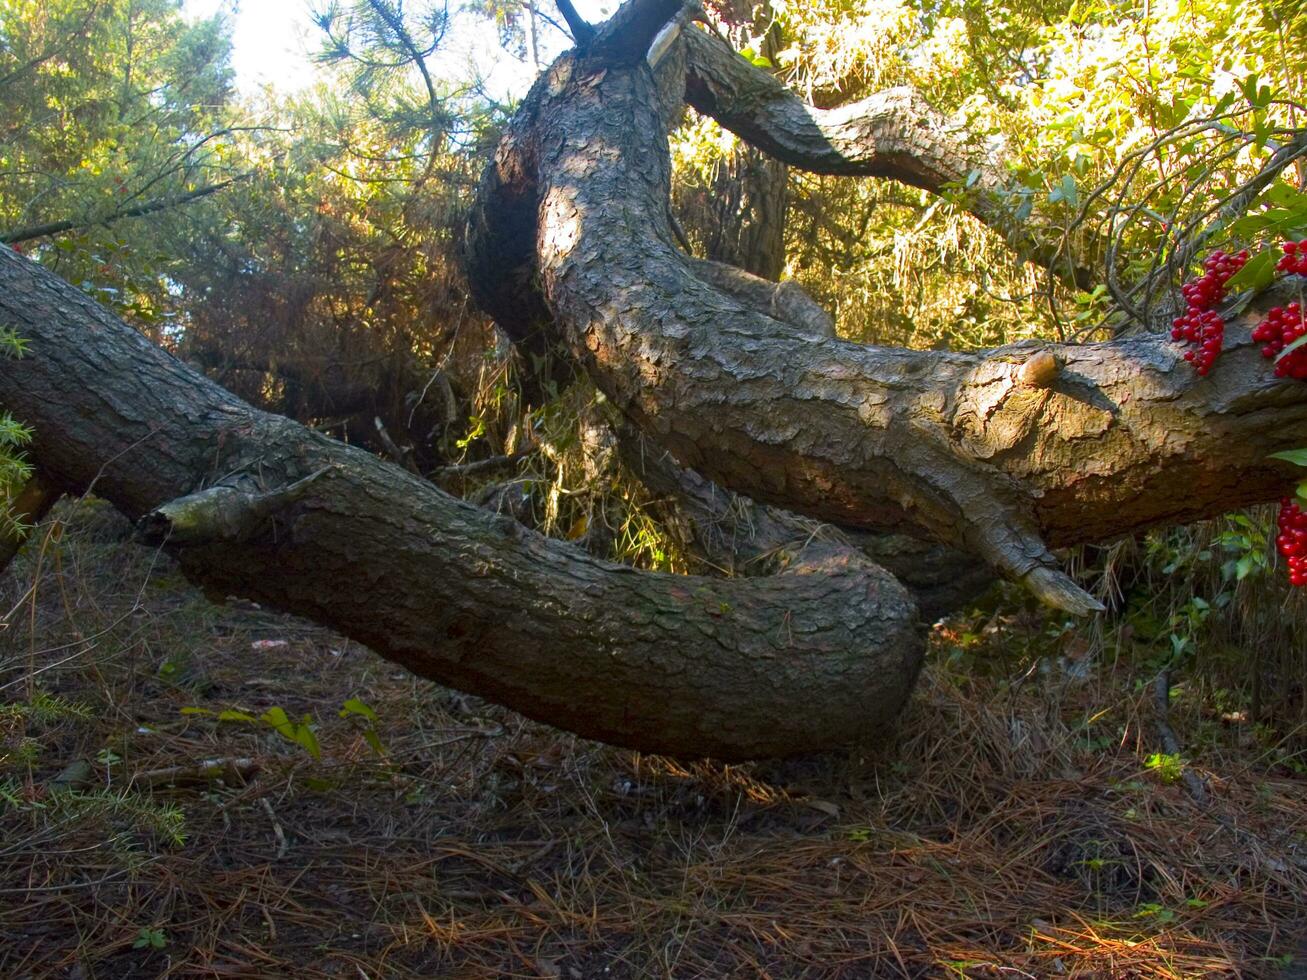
<point>1292,540</point>
<point>1281,326</point>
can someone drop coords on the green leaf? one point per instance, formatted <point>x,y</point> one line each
<point>1065,191</point>
<point>1298,457</point>
<point>1290,348</point>
<point>1249,225</point>
<point>278,719</point>
<point>356,707</point>
<point>305,737</point>
<point>1258,272</point>
<point>1284,196</point>
<point>1249,88</point>
<point>231,714</point>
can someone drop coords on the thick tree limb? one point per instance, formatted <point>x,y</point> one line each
<point>784,301</point>
<point>624,39</point>
<point>735,668</point>
<point>895,133</point>
<point>748,538</point>
<point>977,450</point>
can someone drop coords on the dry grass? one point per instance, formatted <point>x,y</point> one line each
<point>1014,827</point>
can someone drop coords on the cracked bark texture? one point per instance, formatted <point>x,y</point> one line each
<point>676,664</point>
<point>743,537</point>
<point>978,450</point>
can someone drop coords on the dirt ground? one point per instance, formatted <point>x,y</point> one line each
<point>1021,823</point>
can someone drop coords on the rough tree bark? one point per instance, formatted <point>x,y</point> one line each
<point>1005,453</point>
<point>997,452</point>
<point>258,506</point>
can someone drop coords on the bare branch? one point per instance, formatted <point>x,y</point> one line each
<point>583,31</point>
<point>153,207</point>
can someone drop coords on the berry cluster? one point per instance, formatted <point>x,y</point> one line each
<point>1292,540</point>
<point>1281,327</point>
<point>1295,258</point>
<point>1200,325</point>
<point>1209,288</point>
<point>1203,328</point>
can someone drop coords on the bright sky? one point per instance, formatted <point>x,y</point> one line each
<point>273,40</point>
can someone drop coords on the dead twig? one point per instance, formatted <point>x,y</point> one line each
<point>199,773</point>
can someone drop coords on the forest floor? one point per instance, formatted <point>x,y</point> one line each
<point>1025,821</point>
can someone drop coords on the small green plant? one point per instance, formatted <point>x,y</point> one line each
<point>300,732</point>
<point>1246,546</point>
<point>119,809</point>
<point>150,939</point>
<point>45,709</point>
<point>354,708</point>
<point>1169,768</point>
<point>1159,914</point>
<point>15,470</point>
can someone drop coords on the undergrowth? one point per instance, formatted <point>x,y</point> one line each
<point>157,817</point>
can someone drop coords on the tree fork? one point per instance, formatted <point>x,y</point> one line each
<point>895,133</point>
<point>1003,453</point>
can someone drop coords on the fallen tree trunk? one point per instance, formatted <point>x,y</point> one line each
<point>997,452</point>
<point>1004,453</point>
<point>257,506</point>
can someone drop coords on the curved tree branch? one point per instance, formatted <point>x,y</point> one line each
<point>747,538</point>
<point>974,449</point>
<point>258,506</point>
<point>895,133</point>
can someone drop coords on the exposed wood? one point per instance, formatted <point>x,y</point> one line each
<point>31,504</point>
